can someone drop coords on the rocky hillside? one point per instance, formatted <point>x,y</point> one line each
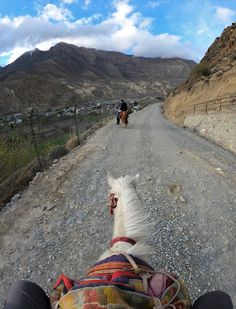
<point>66,73</point>
<point>213,78</point>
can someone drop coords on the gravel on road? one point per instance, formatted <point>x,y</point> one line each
<point>61,223</point>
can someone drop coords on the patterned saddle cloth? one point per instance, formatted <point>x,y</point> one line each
<point>111,283</point>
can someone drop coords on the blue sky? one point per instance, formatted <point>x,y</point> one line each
<point>150,28</point>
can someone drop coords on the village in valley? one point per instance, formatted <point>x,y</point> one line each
<point>13,119</point>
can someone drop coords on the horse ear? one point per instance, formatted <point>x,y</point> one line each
<point>135,180</point>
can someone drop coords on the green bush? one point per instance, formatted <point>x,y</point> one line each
<point>201,69</point>
<point>20,151</point>
<point>14,156</point>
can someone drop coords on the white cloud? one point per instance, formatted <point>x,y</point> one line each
<point>200,31</point>
<point>68,1</point>
<point>164,45</point>
<point>122,10</point>
<point>155,4</point>
<point>17,52</point>
<point>88,20</point>
<point>225,14</point>
<point>51,11</point>
<point>205,29</point>
<point>124,30</point>
<point>86,4</point>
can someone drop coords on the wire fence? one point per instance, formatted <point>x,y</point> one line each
<point>31,142</point>
<point>226,104</point>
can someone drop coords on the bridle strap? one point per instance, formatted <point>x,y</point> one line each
<point>112,202</point>
<point>124,239</point>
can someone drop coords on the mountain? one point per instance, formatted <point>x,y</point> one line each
<point>213,78</point>
<point>66,74</point>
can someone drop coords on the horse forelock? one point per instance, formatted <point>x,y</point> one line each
<point>121,183</point>
<point>135,219</point>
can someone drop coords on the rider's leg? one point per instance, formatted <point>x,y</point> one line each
<point>26,295</point>
<point>214,300</point>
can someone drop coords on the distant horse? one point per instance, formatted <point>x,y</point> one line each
<point>122,278</point>
<point>124,118</point>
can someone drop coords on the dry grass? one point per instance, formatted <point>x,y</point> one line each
<point>72,142</point>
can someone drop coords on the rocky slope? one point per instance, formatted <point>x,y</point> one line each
<point>214,77</point>
<point>66,73</point>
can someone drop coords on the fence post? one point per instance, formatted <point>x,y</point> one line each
<point>100,113</point>
<point>34,140</point>
<point>90,120</point>
<point>206,107</point>
<point>194,109</point>
<point>76,125</point>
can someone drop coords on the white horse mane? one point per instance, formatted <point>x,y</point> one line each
<point>130,219</point>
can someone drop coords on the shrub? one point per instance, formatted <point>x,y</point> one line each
<point>17,181</point>
<point>57,152</point>
<point>72,142</point>
<point>201,69</point>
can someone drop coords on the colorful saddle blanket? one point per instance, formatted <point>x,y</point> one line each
<point>111,283</point>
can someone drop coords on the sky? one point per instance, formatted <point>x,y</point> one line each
<point>149,28</point>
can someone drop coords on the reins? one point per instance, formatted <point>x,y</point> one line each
<point>124,239</point>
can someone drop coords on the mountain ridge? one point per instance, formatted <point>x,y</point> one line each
<point>67,73</point>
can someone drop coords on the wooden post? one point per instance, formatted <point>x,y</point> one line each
<point>100,113</point>
<point>34,140</point>
<point>76,125</point>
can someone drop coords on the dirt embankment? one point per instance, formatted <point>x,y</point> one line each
<point>220,129</point>
<point>179,106</point>
<point>213,79</point>
<point>217,126</point>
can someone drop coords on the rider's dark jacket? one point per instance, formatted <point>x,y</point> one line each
<point>123,106</point>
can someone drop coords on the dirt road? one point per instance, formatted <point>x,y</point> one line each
<point>61,222</point>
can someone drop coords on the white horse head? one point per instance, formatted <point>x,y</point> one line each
<point>122,269</point>
<point>131,227</point>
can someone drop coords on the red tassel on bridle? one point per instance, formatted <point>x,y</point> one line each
<point>112,202</point>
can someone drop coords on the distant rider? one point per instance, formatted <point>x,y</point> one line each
<point>123,106</point>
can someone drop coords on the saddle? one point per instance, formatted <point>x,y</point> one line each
<point>114,283</point>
